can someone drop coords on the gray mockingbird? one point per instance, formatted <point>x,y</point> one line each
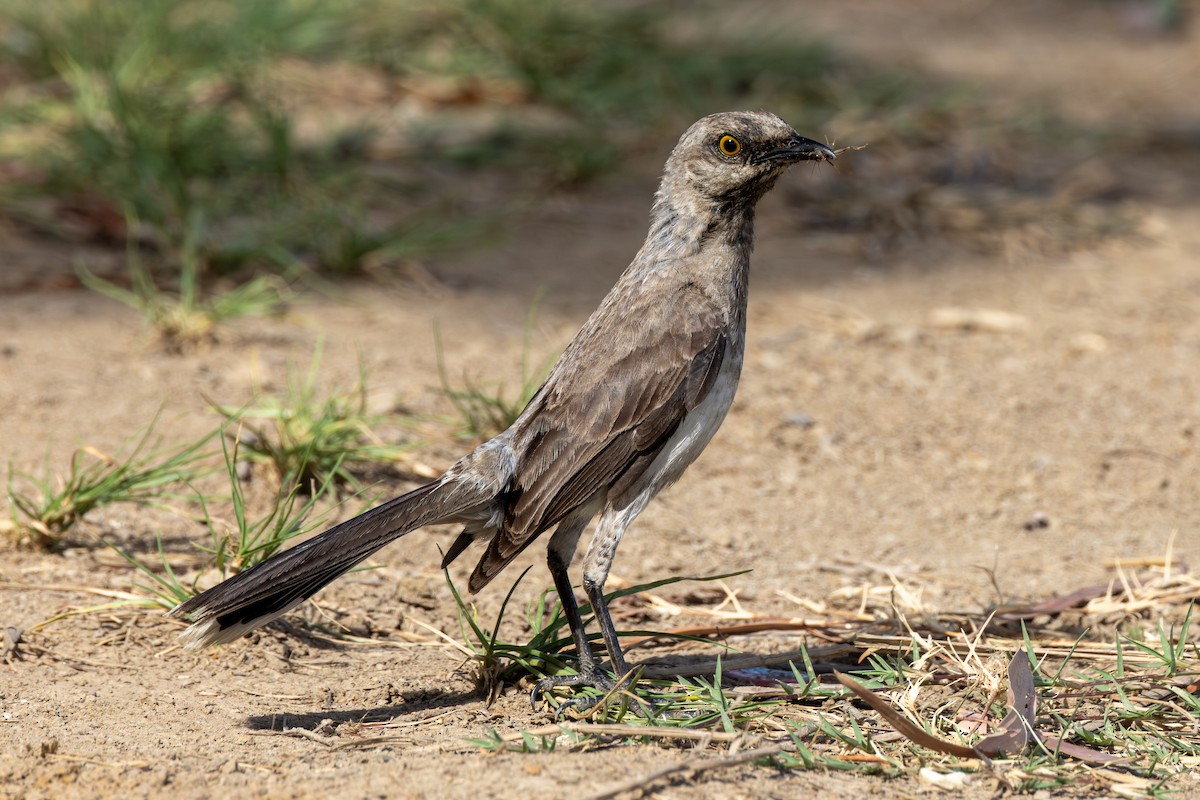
<point>635,397</point>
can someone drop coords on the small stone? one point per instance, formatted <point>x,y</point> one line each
<point>1039,521</point>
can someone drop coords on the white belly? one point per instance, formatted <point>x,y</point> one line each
<point>698,427</point>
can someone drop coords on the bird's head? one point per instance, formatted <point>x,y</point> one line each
<point>736,156</point>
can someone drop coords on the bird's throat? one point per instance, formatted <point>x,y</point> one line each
<point>700,226</point>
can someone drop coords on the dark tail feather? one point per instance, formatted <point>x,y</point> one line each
<point>284,581</point>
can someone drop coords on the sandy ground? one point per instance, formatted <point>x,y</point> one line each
<point>869,438</point>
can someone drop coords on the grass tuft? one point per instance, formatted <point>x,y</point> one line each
<point>308,438</point>
<point>251,540</point>
<point>47,507</point>
<point>185,319</point>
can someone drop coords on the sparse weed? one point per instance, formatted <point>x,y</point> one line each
<point>173,112</point>
<point>497,658</point>
<point>165,588</point>
<point>143,473</point>
<point>611,72</point>
<point>251,540</point>
<point>1172,645</point>
<point>187,318</point>
<point>330,228</point>
<point>545,652</point>
<point>528,742</point>
<point>163,108</point>
<point>308,438</point>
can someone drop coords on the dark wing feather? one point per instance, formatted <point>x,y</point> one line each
<point>599,422</point>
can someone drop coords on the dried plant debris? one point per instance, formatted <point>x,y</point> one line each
<point>1014,736</point>
<point>882,684</point>
<point>838,151</point>
<point>1110,710</point>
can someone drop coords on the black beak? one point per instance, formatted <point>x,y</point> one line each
<point>797,148</point>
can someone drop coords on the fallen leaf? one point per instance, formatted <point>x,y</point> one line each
<point>1016,728</point>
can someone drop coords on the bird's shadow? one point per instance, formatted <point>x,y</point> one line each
<point>824,659</point>
<point>702,665</point>
<point>312,720</point>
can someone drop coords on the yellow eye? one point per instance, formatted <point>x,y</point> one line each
<point>729,145</point>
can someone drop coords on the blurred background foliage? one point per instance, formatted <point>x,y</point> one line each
<point>225,139</point>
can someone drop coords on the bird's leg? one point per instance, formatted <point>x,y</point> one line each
<point>596,565</point>
<point>595,593</point>
<point>588,674</point>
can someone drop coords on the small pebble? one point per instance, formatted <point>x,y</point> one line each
<point>1037,522</point>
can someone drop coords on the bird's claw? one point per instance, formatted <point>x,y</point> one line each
<point>582,705</point>
<point>550,682</point>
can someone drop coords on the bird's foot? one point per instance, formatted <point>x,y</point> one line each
<point>585,706</point>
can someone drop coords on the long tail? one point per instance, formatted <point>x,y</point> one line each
<point>284,581</point>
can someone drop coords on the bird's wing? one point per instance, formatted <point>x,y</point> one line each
<point>614,399</point>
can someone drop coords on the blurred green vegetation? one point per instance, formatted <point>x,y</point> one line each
<point>185,114</point>
<point>225,138</point>
<point>169,112</point>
